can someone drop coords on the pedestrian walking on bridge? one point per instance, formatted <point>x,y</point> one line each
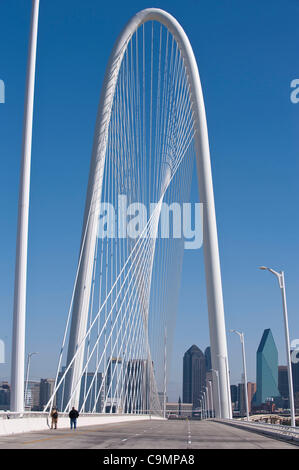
<point>54,416</point>
<point>73,415</point>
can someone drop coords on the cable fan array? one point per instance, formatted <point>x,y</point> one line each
<point>136,272</point>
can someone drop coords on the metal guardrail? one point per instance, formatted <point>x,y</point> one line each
<point>278,430</point>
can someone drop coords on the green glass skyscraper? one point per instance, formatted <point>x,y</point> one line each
<point>266,369</point>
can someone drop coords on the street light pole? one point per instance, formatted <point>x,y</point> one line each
<point>208,401</point>
<point>200,401</point>
<point>211,399</point>
<point>204,404</point>
<point>27,375</point>
<point>281,281</point>
<point>19,309</point>
<point>241,336</point>
<point>218,388</point>
<point>227,383</point>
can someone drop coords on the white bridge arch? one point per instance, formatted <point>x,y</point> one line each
<point>84,278</point>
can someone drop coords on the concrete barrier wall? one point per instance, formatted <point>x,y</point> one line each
<point>279,434</point>
<point>28,424</point>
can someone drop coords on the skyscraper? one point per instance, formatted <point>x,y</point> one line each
<point>46,389</point>
<point>208,359</point>
<point>251,389</point>
<point>194,375</point>
<point>241,399</point>
<point>137,386</point>
<point>234,395</point>
<point>93,390</point>
<point>295,374</point>
<point>32,396</point>
<point>4,396</point>
<point>266,370</point>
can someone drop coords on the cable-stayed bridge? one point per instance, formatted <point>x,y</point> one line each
<point>150,133</point>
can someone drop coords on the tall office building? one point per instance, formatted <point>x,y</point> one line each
<point>295,369</point>
<point>251,390</point>
<point>234,396</point>
<point>137,386</point>
<point>4,396</point>
<point>295,374</point>
<point>208,359</point>
<point>194,375</point>
<point>46,389</point>
<point>283,385</point>
<point>91,387</point>
<point>93,391</point>
<point>32,396</point>
<point>266,370</point>
<point>241,399</point>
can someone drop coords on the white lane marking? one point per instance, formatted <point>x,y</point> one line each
<point>189,433</point>
<point>123,440</point>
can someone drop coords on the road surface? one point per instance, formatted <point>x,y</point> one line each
<point>145,435</point>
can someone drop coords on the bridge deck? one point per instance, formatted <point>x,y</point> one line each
<point>145,435</point>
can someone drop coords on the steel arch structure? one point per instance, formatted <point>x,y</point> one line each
<point>94,192</point>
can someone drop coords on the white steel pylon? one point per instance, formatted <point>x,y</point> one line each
<point>94,191</point>
<point>18,336</point>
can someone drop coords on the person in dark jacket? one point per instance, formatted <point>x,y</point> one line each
<point>73,415</point>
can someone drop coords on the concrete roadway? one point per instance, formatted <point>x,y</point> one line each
<point>152,434</point>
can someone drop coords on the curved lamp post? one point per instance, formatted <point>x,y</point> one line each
<point>211,398</point>
<point>280,277</point>
<point>241,336</point>
<point>27,375</point>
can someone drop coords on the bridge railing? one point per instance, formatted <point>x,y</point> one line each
<point>279,430</point>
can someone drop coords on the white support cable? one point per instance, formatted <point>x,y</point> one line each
<point>112,376</point>
<point>103,327</point>
<point>79,380</point>
<point>99,390</point>
<point>147,148</point>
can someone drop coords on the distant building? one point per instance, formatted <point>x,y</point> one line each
<point>161,399</point>
<point>241,399</point>
<point>234,395</point>
<point>208,359</point>
<point>194,375</point>
<point>295,374</point>
<point>251,390</point>
<point>283,386</point>
<point>46,389</point>
<point>88,381</point>
<point>113,384</point>
<point>266,370</point>
<point>179,410</point>
<point>32,396</point>
<point>4,396</point>
<point>137,386</point>
<point>93,391</point>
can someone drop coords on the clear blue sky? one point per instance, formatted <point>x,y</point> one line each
<point>248,53</point>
